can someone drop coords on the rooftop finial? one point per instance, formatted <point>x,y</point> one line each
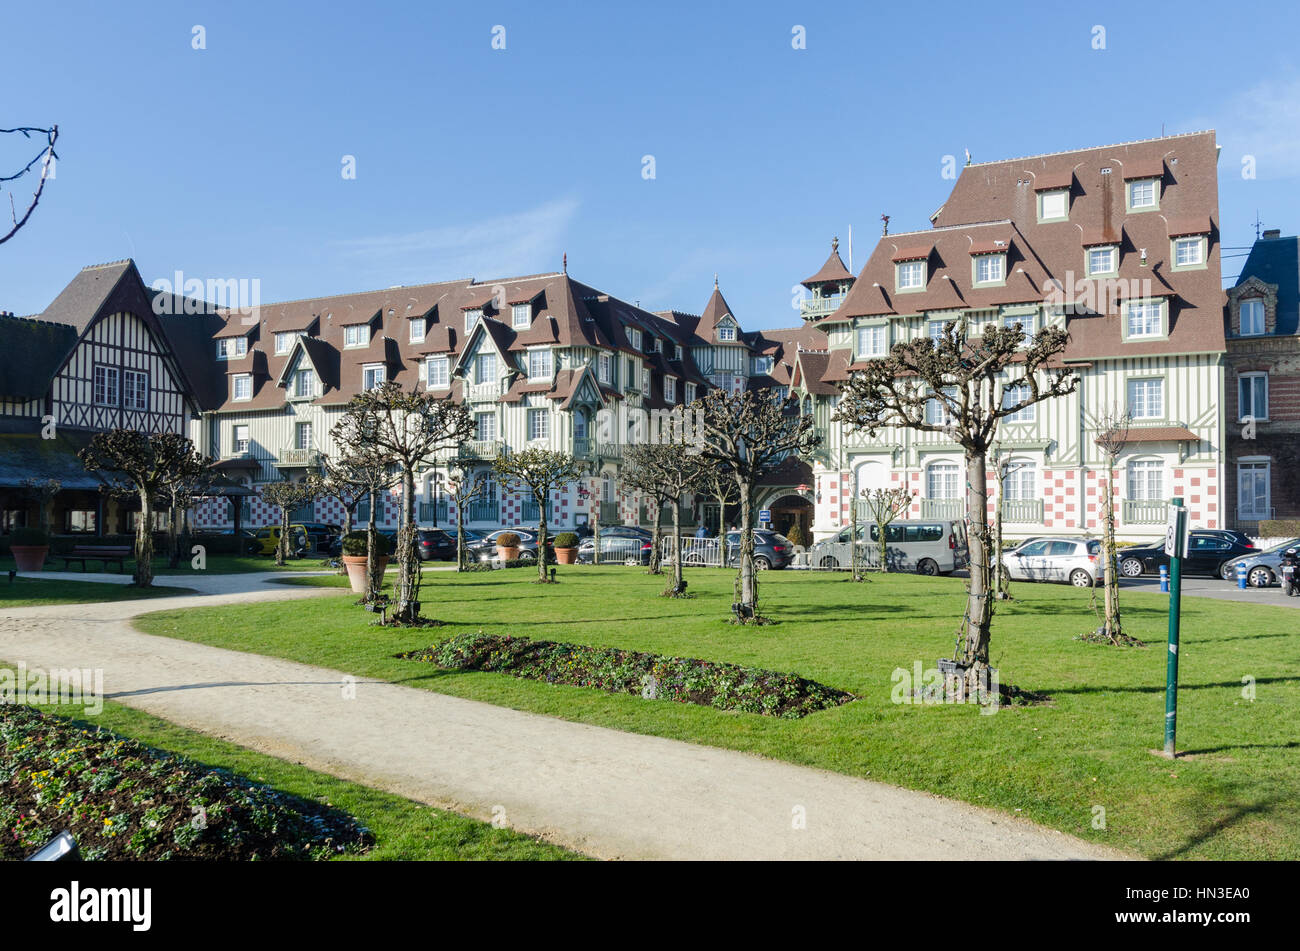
<point>566,262</point>
<point>885,231</point>
<point>715,281</point>
<point>835,244</point>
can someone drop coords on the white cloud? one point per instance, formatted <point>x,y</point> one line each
<point>521,243</point>
<point>1262,121</point>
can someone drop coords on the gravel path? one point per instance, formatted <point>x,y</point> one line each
<point>603,792</point>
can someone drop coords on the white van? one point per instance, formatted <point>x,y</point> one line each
<point>926,546</point>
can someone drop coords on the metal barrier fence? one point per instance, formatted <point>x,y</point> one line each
<point>618,551</point>
<point>699,552</point>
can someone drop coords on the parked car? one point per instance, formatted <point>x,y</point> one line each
<point>321,535</point>
<point>628,544</point>
<point>928,547</point>
<point>1209,552</point>
<point>264,541</point>
<point>336,546</point>
<point>485,548</point>
<point>1262,569</point>
<point>1076,560</point>
<point>434,544</point>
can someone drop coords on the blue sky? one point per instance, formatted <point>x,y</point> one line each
<point>226,162</point>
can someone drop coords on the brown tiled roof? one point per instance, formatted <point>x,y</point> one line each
<point>912,252</point>
<point>1189,225</point>
<point>832,270</point>
<point>1162,434</point>
<point>1059,178</point>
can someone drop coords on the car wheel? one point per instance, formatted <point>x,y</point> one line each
<point>828,562</point>
<point>927,566</point>
<point>1080,578</point>
<point>527,555</point>
<point>1228,571</point>
<point>1260,577</point>
<point>1131,567</point>
<point>696,560</point>
<point>761,563</point>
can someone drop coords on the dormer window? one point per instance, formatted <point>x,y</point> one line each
<point>1144,318</point>
<point>670,389</point>
<point>910,275</point>
<point>373,376</point>
<point>1144,194</point>
<point>418,328</point>
<point>304,383</point>
<point>284,341</point>
<point>521,315</point>
<point>540,364</point>
<point>472,316</point>
<point>356,335</point>
<point>1103,260</point>
<point>726,332</point>
<point>658,345</point>
<point>1189,252</point>
<point>232,348</point>
<point>1054,205</point>
<point>990,268</point>
<point>1252,317</point>
<point>761,365</point>
<point>437,373</point>
<point>242,387</point>
<point>634,338</point>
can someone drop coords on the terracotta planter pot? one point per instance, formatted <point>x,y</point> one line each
<point>29,557</point>
<point>508,554</point>
<point>356,567</point>
<point>566,556</point>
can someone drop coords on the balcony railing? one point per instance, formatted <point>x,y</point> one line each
<point>1138,512</point>
<point>609,513</point>
<point>298,457</point>
<point>483,392</point>
<point>820,306</point>
<point>943,508</point>
<point>1023,510</point>
<point>435,512</point>
<point>528,510</point>
<point>484,510</point>
<point>481,449</point>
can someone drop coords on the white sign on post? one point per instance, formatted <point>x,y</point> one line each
<point>1176,532</point>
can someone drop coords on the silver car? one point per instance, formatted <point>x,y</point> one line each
<point>1073,560</point>
<point>1262,569</point>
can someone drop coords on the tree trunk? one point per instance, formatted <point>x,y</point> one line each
<point>1001,581</point>
<point>722,517</point>
<point>882,530</point>
<point>748,584</point>
<point>460,533</point>
<point>979,605</point>
<point>282,545</point>
<point>541,532</point>
<point>347,530</point>
<point>677,545</point>
<point>656,559</point>
<point>173,536</point>
<point>374,577</point>
<point>408,558</point>
<point>143,577</point>
<point>1112,628</point>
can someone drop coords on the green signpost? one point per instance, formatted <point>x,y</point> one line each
<point>1175,548</point>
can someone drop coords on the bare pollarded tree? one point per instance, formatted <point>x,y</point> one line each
<point>977,382</point>
<point>539,471</point>
<point>669,472</point>
<point>884,506</point>
<point>1113,435</point>
<point>750,434</point>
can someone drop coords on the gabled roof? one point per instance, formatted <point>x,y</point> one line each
<point>832,270</point>
<point>33,352</point>
<point>716,309</point>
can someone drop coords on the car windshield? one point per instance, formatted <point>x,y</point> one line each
<point>1290,543</point>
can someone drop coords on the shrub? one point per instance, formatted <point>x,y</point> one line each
<point>651,676</point>
<point>507,540</point>
<point>795,536</point>
<point>566,540</point>
<point>356,543</point>
<point>28,536</point>
<point>1279,527</point>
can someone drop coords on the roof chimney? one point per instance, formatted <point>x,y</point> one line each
<point>1272,234</point>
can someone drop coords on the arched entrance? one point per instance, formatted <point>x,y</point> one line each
<point>789,510</point>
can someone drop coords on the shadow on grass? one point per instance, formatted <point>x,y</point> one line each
<point>1160,688</point>
<point>1208,831</point>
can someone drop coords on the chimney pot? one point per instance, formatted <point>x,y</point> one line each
<point>1272,234</point>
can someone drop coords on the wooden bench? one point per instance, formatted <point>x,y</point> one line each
<point>101,553</point>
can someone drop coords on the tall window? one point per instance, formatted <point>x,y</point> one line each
<point>1146,480</point>
<point>690,392</point>
<point>438,372</point>
<point>1017,393</point>
<point>485,368</point>
<point>417,326</point>
<point>471,317</point>
<point>942,480</point>
<point>356,335</point>
<point>304,383</point>
<point>1053,205</point>
<point>373,376</point>
<point>670,389</point>
<point>602,368</point>
<point>540,364</point>
<point>239,439</point>
<point>1021,483</point>
<point>243,386</point>
<point>539,424</point>
<point>1102,260</point>
<point>1252,396</point>
<point>911,275</point>
<point>485,426</point>
<point>1143,317</point>
<point>1146,398</point>
<point>990,268</point>
<point>302,435</point>
<point>1252,317</point>
<point>580,424</point>
<point>1142,194</point>
<point>936,412</point>
<point>634,338</point>
<point>934,329</point>
<point>872,341</point>
<point>1253,489</point>
<point>106,386</point>
<point>521,315</point>
<point>135,390</point>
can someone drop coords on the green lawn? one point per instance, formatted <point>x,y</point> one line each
<point>1237,795</point>
<point>31,592</point>
<point>403,829</point>
<point>216,565</point>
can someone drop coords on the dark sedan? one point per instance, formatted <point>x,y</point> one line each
<point>619,544</point>
<point>1209,552</point>
<point>485,549</point>
<point>771,550</point>
<point>434,544</point>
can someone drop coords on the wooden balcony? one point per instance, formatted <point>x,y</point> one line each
<point>1136,512</point>
<point>1023,511</point>
<point>481,449</point>
<point>820,306</point>
<point>298,458</point>
<point>943,508</point>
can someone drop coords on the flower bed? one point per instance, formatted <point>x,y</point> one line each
<point>124,800</point>
<point>652,676</point>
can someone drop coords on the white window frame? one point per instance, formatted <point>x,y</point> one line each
<point>726,332</point>
<point>1250,378</point>
<point>1193,241</point>
<point>302,434</point>
<point>1145,330</point>
<point>485,422</point>
<point>690,392</point>
<point>110,385</point>
<point>1132,189</point>
<point>1139,485</point>
<point>603,367</point>
<point>1010,395</point>
<point>1255,464</point>
<point>539,424</point>
<point>936,410</point>
<point>1021,482</point>
<point>934,329</point>
<point>949,487</point>
<point>235,381</point>
<point>1112,257</point>
<point>1053,195</point>
<point>284,342</point>
<point>982,260</point>
<point>418,327</point>
<point>541,364</point>
<point>1144,409</point>
<point>235,441</point>
<point>356,336</point>
<point>442,377</point>
<point>472,316</point>
<point>297,384</point>
<point>485,368</point>
<point>670,389</point>
<point>132,400</point>
<point>634,338</point>
<point>238,344</point>
<point>373,376</point>
<point>1252,302</point>
<point>878,335</point>
<point>910,275</point>
<point>521,315</point>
